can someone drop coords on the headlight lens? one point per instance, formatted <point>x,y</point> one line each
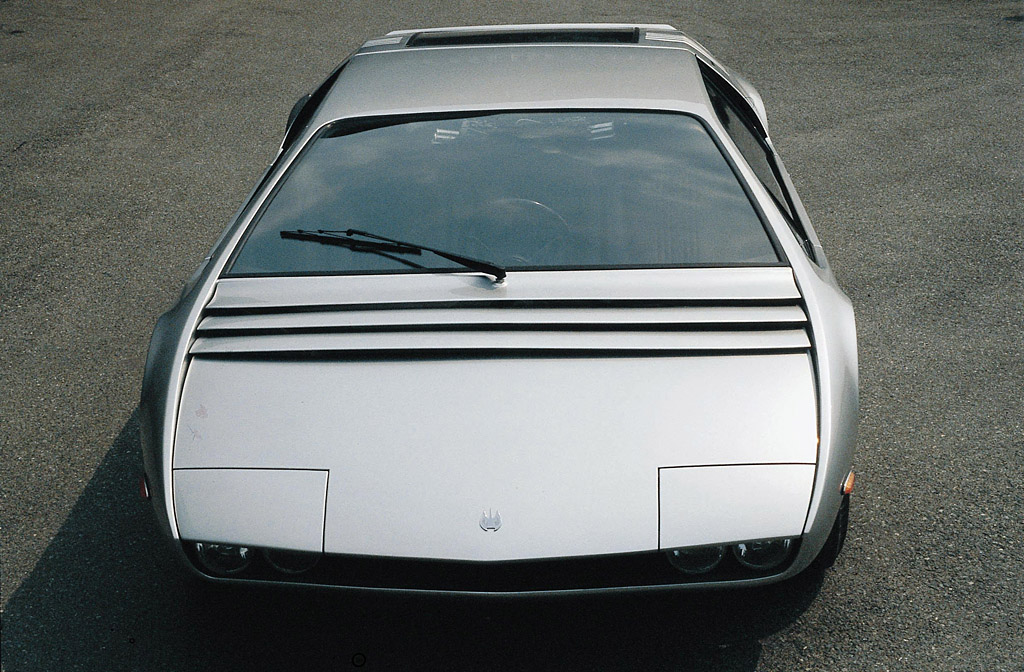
<point>696,560</point>
<point>760,555</point>
<point>290,562</point>
<point>223,559</point>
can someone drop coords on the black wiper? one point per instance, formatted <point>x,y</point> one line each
<point>383,245</point>
<point>373,247</point>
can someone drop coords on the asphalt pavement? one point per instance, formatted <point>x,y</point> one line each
<point>132,131</point>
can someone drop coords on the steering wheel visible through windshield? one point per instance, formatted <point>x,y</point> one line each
<point>524,190</point>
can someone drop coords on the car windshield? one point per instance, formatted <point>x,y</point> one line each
<point>524,190</point>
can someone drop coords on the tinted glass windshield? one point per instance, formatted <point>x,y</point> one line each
<point>525,190</point>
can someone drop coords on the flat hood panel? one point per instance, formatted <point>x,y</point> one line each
<point>565,450</point>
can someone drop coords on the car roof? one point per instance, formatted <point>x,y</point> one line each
<point>553,66</point>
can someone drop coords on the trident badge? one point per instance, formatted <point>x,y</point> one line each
<point>490,522</point>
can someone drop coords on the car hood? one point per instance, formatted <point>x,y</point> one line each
<point>564,414</point>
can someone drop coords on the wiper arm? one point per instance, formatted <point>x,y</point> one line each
<point>469,262</point>
<point>382,249</point>
<point>381,244</point>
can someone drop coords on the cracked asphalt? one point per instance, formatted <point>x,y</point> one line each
<point>132,131</point>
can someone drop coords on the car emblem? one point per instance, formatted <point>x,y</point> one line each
<point>490,522</point>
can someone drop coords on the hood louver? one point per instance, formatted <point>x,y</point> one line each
<point>534,323</point>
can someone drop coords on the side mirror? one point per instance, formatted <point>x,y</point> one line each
<point>289,130</point>
<point>819,255</point>
<point>296,111</point>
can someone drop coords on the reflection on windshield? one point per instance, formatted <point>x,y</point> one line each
<point>525,190</point>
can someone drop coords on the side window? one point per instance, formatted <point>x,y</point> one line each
<point>746,133</point>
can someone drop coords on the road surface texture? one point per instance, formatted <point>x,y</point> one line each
<point>132,131</point>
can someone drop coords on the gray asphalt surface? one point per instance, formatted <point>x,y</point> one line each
<point>132,131</point>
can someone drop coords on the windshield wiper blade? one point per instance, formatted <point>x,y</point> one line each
<point>469,262</point>
<point>382,244</point>
<point>382,249</point>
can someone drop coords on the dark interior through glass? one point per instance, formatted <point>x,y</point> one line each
<point>524,190</point>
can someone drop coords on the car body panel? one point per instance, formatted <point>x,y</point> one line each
<point>253,358</point>
<point>705,505</point>
<point>651,35</point>
<point>834,335</point>
<point>607,408</point>
<point>416,449</point>
<point>266,507</point>
<point>513,77</point>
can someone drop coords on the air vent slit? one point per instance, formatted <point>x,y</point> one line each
<point>496,327</point>
<point>541,36</point>
<point>502,304</point>
<point>464,354</point>
<point>466,328</point>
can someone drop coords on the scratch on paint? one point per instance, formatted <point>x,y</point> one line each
<point>196,435</point>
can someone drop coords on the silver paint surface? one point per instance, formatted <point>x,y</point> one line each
<point>818,388</point>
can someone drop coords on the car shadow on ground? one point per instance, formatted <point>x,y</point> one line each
<point>106,595</point>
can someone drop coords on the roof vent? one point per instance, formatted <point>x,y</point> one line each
<point>541,36</point>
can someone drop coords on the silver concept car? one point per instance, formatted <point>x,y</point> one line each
<point>515,309</point>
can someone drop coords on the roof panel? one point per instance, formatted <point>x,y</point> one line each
<point>515,76</point>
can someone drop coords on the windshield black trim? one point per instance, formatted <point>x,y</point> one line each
<point>342,127</point>
<point>462,269</point>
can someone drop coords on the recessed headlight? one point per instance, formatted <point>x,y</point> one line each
<point>223,559</point>
<point>761,555</point>
<point>697,559</point>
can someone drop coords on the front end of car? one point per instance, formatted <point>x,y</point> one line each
<point>512,440</point>
<point>561,345</point>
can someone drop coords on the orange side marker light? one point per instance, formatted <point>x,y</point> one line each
<point>848,483</point>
